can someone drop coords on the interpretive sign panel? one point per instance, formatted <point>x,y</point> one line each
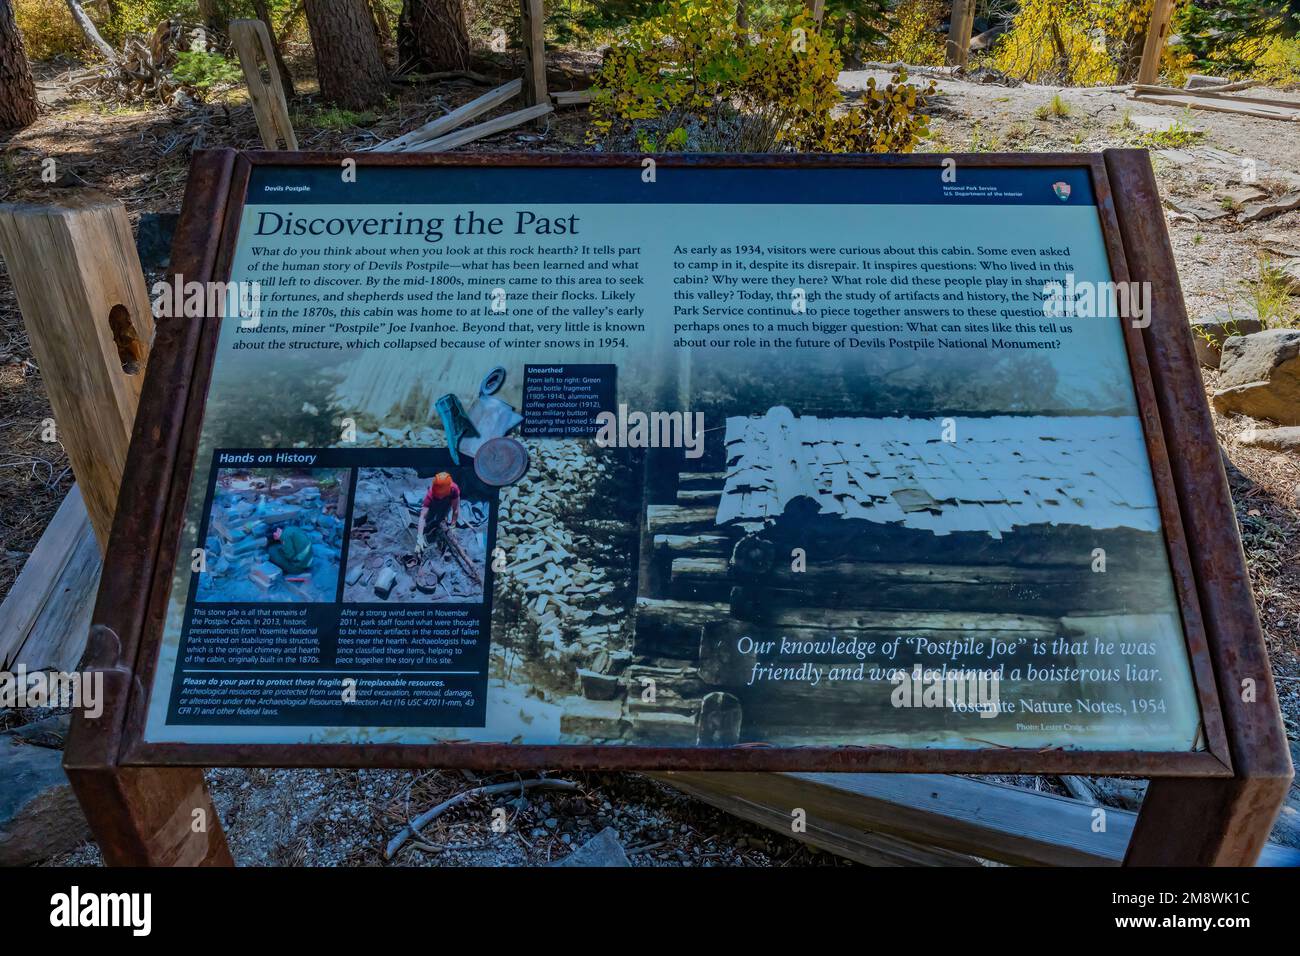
<point>578,456</point>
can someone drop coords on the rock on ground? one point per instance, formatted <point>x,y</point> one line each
<point>39,816</point>
<point>1261,376</point>
<point>601,850</point>
<point>1274,439</point>
<point>1209,333</point>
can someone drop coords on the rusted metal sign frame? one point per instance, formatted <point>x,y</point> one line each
<point>1244,741</point>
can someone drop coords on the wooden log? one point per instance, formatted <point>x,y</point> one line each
<point>572,97</point>
<point>1220,105</point>
<point>697,497</point>
<point>674,519</point>
<point>993,588</point>
<point>701,544</point>
<point>960,26</point>
<point>533,30</point>
<point>673,628</point>
<point>461,137</point>
<point>928,815</point>
<point>1153,47</point>
<point>91,34</point>
<point>252,40</point>
<point>87,313</point>
<point>701,479</point>
<point>1215,94</point>
<point>45,618</point>
<point>457,117</point>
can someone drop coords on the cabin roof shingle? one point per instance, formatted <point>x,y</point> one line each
<point>1000,473</point>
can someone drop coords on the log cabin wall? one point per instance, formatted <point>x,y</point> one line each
<point>903,534</point>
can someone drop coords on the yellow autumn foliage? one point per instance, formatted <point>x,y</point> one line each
<point>774,81</point>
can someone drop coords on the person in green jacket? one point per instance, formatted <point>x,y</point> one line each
<point>290,549</point>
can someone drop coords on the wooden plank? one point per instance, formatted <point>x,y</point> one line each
<point>251,39</point>
<point>40,576</point>
<point>1162,12</point>
<point>445,124</point>
<point>572,97</point>
<point>58,636</point>
<point>673,519</point>
<point>533,29</point>
<point>960,26</point>
<point>90,323</point>
<point>1216,94</point>
<point>852,843</point>
<point>468,135</point>
<point>958,814</point>
<point>1223,105</point>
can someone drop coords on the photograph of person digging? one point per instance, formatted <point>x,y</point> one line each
<point>274,535</point>
<point>416,537</point>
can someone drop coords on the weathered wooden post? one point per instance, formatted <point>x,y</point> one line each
<point>534,36</point>
<point>1157,32</point>
<point>87,312</point>
<point>252,38</point>
<point>84,302</point>
<point>960,26</point>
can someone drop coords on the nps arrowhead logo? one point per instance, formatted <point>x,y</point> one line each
<point>1062,191</point>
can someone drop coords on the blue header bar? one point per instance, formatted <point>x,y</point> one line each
<point>896,185</point>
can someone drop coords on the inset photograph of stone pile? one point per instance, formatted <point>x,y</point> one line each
<point>416,538</point>
<point>274,534</point>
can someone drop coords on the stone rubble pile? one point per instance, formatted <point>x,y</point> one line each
<point>559,569</point>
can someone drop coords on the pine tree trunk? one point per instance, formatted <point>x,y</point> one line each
<point>17,91</point>
<point>349,64</point>
<point>432,35</point>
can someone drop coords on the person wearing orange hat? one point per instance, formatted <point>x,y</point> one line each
<point>442,499</point>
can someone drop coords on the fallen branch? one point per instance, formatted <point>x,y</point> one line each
<point>425,818</point>
<point>92,35</point>
<point>443,75</point>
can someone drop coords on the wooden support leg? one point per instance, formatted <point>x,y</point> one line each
<point>1212,820</point>
<point>1205,821</point>
<point>151,816</point>
<point>88,316</point>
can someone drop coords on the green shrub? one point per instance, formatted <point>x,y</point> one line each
<point>202,72</point>
<point>914,36</point>
<point>1279,63</point>
<point>771,86</point>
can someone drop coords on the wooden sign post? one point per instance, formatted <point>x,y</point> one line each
<point>927,520</point>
